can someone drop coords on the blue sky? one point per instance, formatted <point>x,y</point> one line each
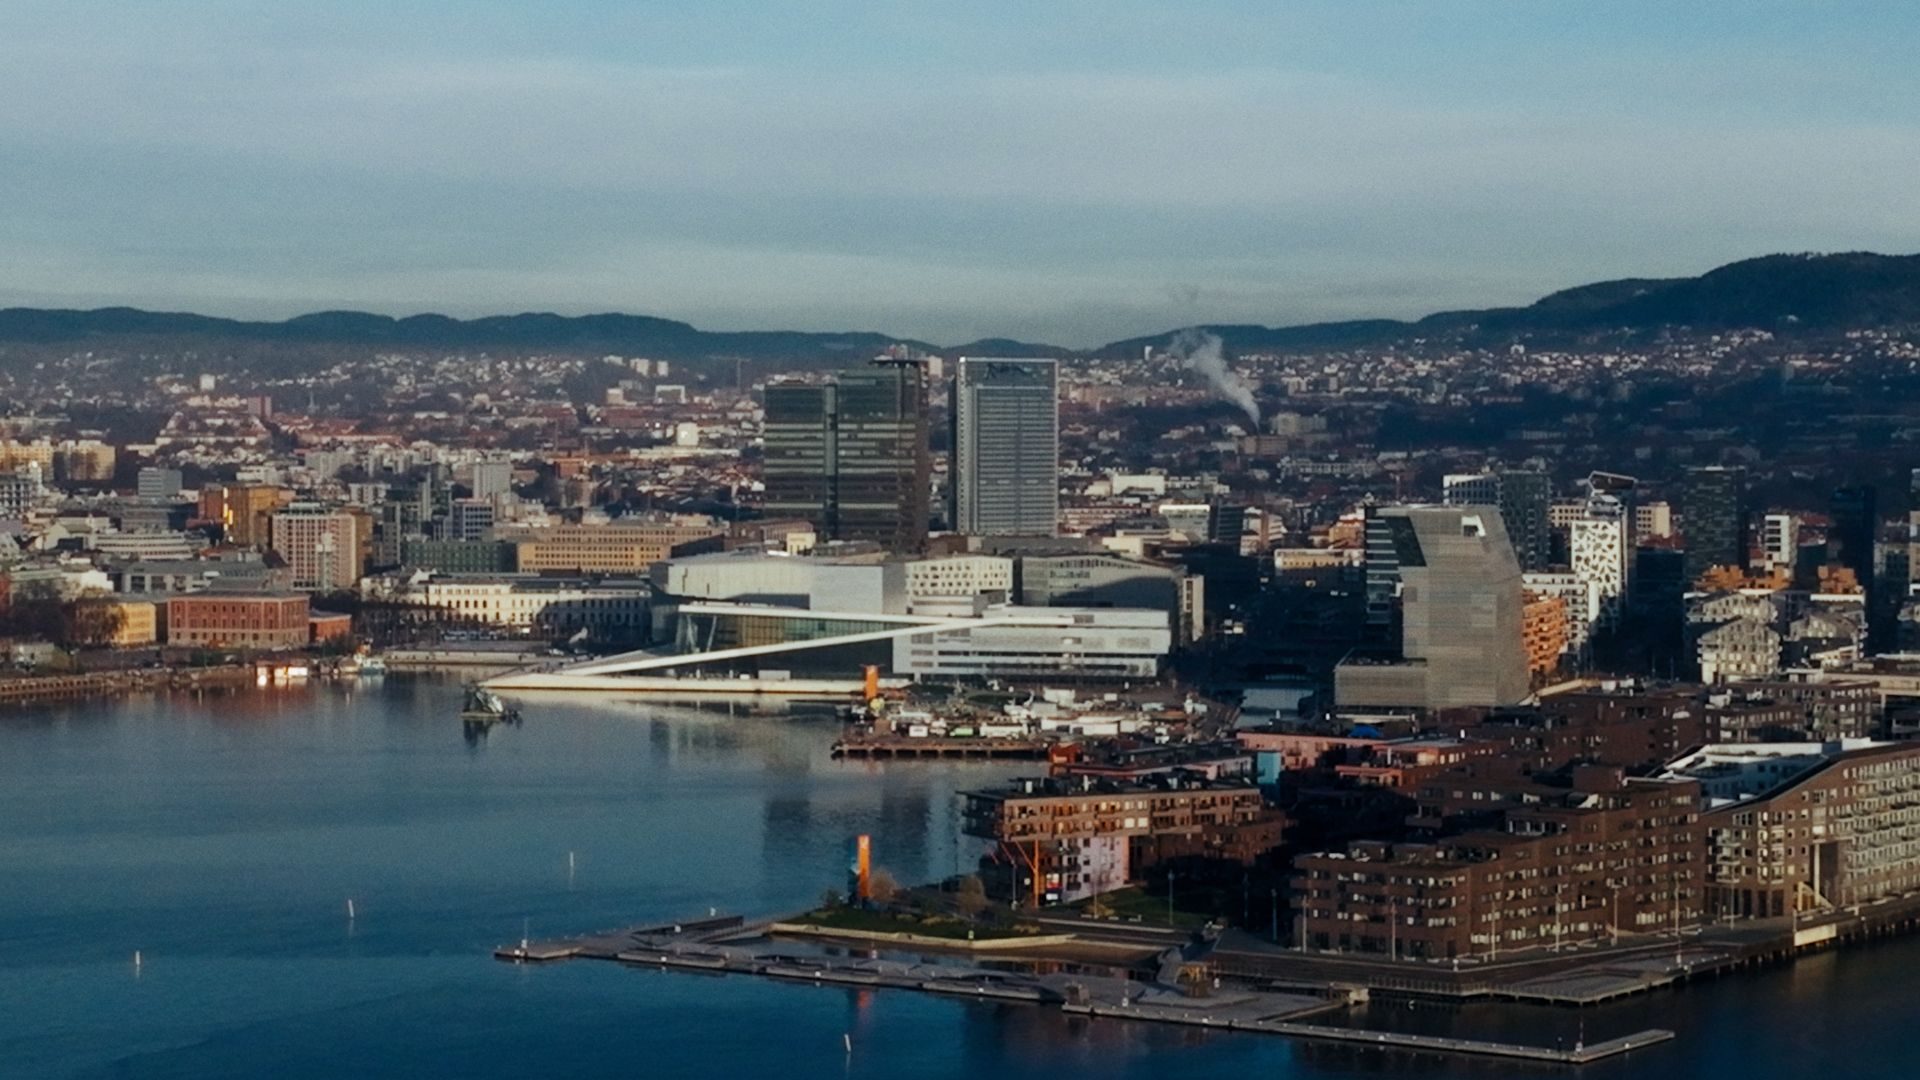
<point>1071,172</point>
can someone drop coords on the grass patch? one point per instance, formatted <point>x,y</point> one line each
<point>1135,904</point>
<point>894,922</point>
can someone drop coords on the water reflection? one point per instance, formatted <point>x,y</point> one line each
<point>223,835</point>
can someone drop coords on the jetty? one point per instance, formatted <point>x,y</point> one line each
<point>729,945</point>
<point>884,746</point>
<point>31,689</point>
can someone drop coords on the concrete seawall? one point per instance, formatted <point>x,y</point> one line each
<point>998,944</point>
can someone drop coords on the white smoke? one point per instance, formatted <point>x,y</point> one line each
<point>1201,351</point>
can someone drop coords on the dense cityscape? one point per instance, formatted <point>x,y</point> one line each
<point>1482,649</point>
<point>854,541</point>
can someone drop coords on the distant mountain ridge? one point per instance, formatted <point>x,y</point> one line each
<point>635,334</point>
<point>1785,293</point>
<point>1782,293</point>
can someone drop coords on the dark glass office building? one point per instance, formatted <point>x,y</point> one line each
<point>851,456</point>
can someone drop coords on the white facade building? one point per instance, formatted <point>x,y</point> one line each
<point>529,603</point>
<point>1600,546</point>
<point>1780,539</point>
<point>1108,643</point>
<point>959,575</point>
<point>1580,598</point>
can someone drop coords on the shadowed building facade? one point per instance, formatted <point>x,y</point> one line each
<point>851,456</point>
<point>1444,589</point>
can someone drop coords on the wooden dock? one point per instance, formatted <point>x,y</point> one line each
<point>31,689</point>
<point>884,747</point>
<point>726,945</point>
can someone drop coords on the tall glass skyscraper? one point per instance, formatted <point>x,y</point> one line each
<point>1006,447</point>
<point>1523,497</point>
<point>851,456</point>
<point>1713,508</point>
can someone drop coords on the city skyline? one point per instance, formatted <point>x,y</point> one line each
<point>939,176</point>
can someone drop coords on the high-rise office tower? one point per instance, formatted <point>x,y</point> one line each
<point>798,437</point>
<point>1454,590</point>
<point>882,471</point>
<point>321,546</point>
<point>1523,497</point>
<point>1601,544</point>
<point>154,483</point>
<point>1659,604</point>
<point>1856,525</point>
<point>1471,489</point>
<point>1780,539</point>
<point>1006,447</point>
<point>1714,515</point>
<point>851,456</point>
<point>469,519</point>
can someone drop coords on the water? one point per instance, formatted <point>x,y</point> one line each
<point>223,839</point>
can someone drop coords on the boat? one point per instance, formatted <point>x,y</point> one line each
<point>372,665</point>
<point>485,706</point>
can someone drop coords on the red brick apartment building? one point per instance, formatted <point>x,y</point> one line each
<point>1804,827</point>
<point>238,620</point>
<point>1607,856</point>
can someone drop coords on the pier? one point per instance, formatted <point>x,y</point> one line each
<point>730,945</point>
<point>888,747</point>
<point>30,689</point>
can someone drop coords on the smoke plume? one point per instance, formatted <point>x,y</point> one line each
<point>1201,352</point>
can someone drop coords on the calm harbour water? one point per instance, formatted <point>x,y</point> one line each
<point>223,838</point>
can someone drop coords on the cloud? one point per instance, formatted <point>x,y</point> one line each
<point>205,152</point>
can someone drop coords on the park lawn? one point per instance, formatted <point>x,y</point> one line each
<point>893,922</point>
<point>1150,909</point>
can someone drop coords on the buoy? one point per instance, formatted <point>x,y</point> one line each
<point>847,1038</point>
<point>350,907</point>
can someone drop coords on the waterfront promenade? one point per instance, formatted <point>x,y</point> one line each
<point>730,945</point>
<point>33,689</point>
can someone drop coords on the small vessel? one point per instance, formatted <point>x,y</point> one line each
<point>372,665</point>
<point>486,707</point>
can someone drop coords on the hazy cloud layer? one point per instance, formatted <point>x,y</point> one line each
<point>746,167</point>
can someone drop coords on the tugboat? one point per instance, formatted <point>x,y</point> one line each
<point>485,707</point>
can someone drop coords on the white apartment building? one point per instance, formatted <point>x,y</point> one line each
<point>526,604</point>
<point>321,547</point>
<point>1600,548</point>
<point>1104,643</point>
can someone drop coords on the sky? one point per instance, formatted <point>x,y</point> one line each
<point>1070,172</point>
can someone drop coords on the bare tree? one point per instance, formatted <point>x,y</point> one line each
<point>971,900</point>
<point>881,888</point>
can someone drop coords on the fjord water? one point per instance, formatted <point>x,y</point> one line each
<point>222,839</point>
